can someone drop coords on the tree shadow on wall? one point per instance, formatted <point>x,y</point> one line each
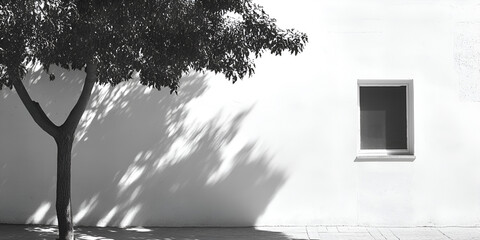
<point>141,158</point>
<point>27,163</point>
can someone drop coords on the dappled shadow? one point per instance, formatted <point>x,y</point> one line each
<point>142,158</point>
<point>170,170</point>
<point>91,233</point>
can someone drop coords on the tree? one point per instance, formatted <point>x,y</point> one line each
<point>111,40</point>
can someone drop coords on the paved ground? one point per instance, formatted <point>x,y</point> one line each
<point>268,233</point>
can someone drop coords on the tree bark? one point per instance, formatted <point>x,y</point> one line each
<point>64,140</point>
<point>63,202</point>
<point>64,136</point>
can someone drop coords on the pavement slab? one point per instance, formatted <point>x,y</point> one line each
<point>423,233</point>
<point>375,233</point>
<point>459,233</point>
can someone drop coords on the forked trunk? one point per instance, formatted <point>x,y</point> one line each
<point>63,203</point>
<point>63,136</point>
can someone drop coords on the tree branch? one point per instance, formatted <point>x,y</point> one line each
<point>77,111</point>
<point>34,108</point>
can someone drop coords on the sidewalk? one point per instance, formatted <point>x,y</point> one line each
<point>8,232</point>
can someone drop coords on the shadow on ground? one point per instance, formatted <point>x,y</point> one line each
<point>49,233</point>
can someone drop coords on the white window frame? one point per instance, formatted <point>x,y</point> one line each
<point>388,154</point>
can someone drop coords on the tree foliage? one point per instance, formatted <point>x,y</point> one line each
<point>112,39</point>
<point>159,39</point>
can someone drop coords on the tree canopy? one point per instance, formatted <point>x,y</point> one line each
<point>113,39</point>
<point>159,39</point>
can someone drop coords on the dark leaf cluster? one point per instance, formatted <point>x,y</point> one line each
<point>159,39</point>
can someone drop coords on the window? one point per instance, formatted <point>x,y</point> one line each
<point>386,119</point>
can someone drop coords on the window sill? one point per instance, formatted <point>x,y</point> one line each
<point>385,158</point>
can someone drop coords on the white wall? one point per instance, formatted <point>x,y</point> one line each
<point>275,149</point>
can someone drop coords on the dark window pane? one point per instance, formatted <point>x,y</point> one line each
<point>383,118</point>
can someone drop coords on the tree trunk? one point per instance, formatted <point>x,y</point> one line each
<point>63,203</point>
<point>64,136</point>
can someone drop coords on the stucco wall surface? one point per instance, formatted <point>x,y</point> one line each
<point>278,148</point>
